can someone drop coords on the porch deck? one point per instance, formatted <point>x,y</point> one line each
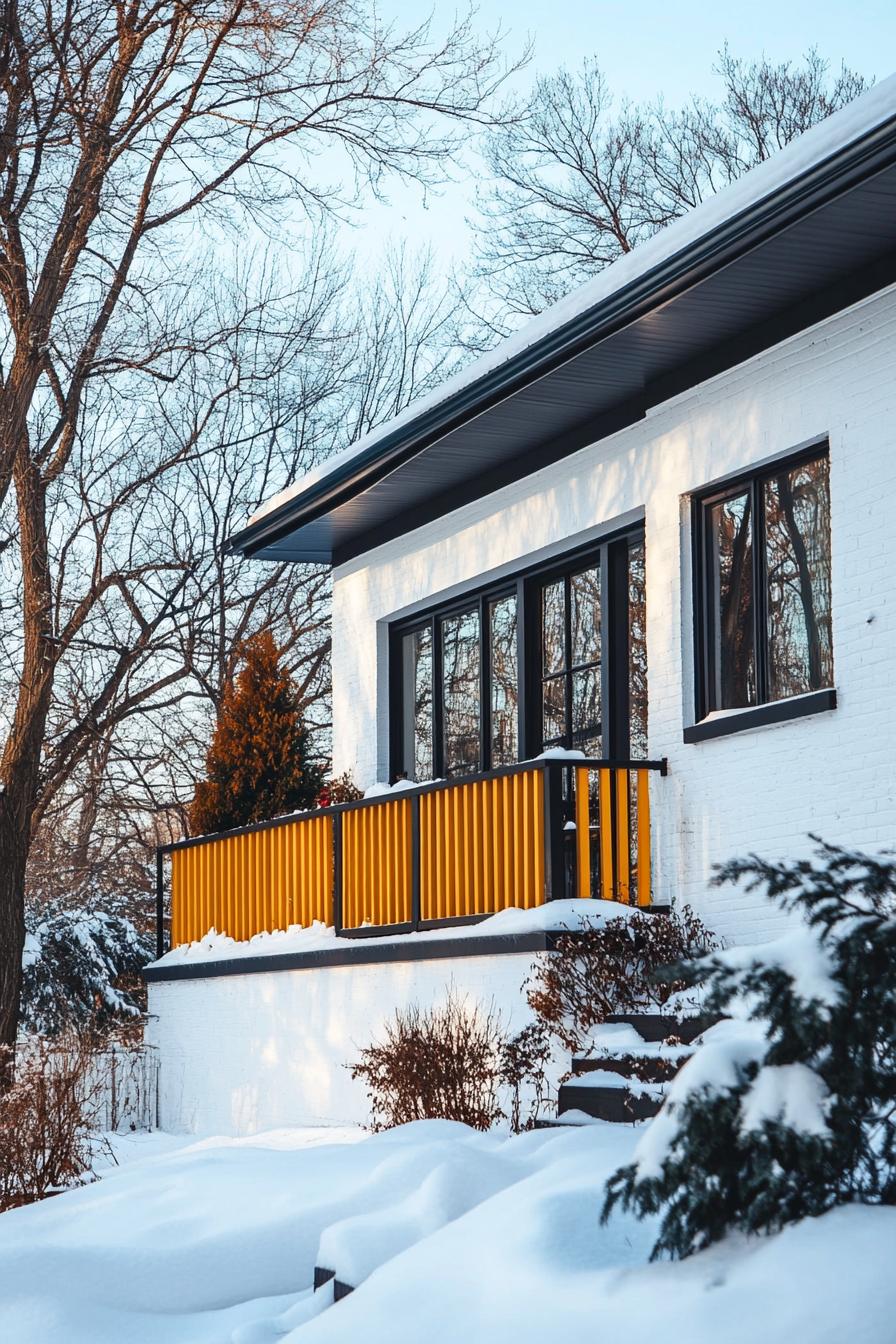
<point>421,856</point>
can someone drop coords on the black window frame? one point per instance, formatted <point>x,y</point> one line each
<point>765,711</point>
<point>610,554</point>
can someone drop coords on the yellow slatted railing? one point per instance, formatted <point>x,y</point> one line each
<point>618,818</point>
<point>376,864</point>
<point>254,881</point>
<point>482,846</point>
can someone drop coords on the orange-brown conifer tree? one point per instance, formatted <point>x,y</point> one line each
<point>258,764</point>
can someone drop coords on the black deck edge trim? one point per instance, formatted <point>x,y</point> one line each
<point>360,953</point>
<point>341,1290</point>
<point>322,1276</point>
<point>845,167</point>
<point>763,716</point>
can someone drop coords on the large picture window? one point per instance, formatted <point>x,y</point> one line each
<point>553,657</point>
<point>763,587</point>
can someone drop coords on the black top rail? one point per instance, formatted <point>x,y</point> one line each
<point>394,795</point>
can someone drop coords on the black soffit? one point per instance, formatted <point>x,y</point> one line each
<point>824,241</point>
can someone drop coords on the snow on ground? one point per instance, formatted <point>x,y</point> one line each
<point>552,916</point>
<point>450,1236</point>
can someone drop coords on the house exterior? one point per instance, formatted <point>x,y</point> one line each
<point>651,536</point>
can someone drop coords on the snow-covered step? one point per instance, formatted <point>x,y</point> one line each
<point>661,1026</point>
<point>568,1120</point>
<point>657,1065</point>
<point>611,1096</point>
<point>323,1277</point>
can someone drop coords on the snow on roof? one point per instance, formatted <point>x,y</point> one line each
<point>808,151</point>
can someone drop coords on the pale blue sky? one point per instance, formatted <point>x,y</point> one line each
<point>646,48</point>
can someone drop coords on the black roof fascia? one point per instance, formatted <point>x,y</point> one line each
<point>824,181</point>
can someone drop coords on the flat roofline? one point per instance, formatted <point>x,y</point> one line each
<point>717,246</point>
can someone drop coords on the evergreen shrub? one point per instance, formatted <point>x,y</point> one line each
<point>259,764</point>
<point>789,1108</point>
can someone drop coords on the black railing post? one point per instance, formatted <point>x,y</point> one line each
<point>160,901</point>
<point>554,848</point>
<point>337,872</point>
<point>415,862</point>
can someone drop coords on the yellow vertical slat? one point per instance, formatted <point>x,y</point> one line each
<point>528,833</point>
<point>524,833</point>
<point>469,844</point>
<point>538,813</point>
<point>497,848</point>
<point>622,835</point>
<point>508,887</point>
<point>394,877</point>
<point>176,899</point>
<point>424,856</point>
<point>435,853</point>
<point>474,902</point>
<point>643,837</point>
<point>583,834</point>
<point>605,810</point>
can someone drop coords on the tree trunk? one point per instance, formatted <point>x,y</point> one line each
<point>20,765</point>
<point>13,856</point>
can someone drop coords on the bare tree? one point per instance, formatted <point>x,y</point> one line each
<point>579,181</point>
<point>137,139</point>
<point>127,725</point>
<point>310,371</point>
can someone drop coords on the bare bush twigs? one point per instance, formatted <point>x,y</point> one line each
<point>612,969</point>
<point>451,1062</point>
<point>45,1120</point>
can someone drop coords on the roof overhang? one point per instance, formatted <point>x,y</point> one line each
<point>822,241</point>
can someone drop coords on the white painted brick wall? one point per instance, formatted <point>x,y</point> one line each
<point>244,1053</point>
<point>763,790</point>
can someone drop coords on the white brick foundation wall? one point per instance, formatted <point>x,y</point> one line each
<point>244,1053</point>
<point>761,790</point>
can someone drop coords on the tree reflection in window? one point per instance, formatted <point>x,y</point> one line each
<point>798,563</point>
<point>504,680</point>
<point>571,653</point>
<point>637,650</point>
<point>731,570</point>
<point>461,692</point>
<point>417,734</point>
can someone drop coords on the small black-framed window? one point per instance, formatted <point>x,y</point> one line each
<point>762,592</point>
<point>571,673</point>
<point>455,678</point>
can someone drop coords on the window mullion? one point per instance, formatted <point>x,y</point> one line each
<point>438,753</point>
<point>524,683</point>
<point>760,595</point>
<point>485,700</point>
<point>567,635</point>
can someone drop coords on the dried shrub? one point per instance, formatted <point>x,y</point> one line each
<point>522,1066</point>
<point>46,1118</point>
<point>451,1062</point>
<point>612,969</point>
<point>340,789</point>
